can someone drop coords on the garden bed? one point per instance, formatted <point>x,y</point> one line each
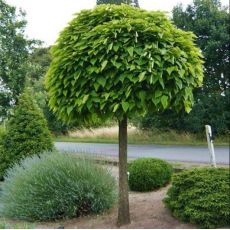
<point>146,210</point>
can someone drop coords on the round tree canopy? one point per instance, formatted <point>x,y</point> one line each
<point>120,60</point>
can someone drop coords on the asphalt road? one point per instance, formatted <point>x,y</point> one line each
<point>170,153</point>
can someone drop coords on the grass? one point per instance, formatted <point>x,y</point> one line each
<point>5,224</point>
<point>136,136</point>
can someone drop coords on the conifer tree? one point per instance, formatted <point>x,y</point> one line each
<point>27,133</point>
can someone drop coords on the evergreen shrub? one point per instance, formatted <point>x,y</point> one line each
<point>26,134</point>
<point>55,186</point>
<point>201,196</point>
<point>147,174</point>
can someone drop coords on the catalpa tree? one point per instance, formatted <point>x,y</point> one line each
<point>118,61</point>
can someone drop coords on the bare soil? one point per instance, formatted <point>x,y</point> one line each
<point>146,211</point>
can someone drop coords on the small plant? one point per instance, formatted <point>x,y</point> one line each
<point>147,174</point>
<point>55,186</point>
<point>26,134</point>
<point>201,196</point>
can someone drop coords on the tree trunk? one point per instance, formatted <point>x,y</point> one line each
<point>123,209</point>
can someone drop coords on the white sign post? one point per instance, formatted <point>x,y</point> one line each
<point>210,145</point>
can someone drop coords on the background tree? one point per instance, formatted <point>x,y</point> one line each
<point>14,48</point>
<point>135,3</point>
<point>5,101</point>
<point>27,133</point>
<point>117,62</point>
<point>38,63</point>
<point>210,22</point>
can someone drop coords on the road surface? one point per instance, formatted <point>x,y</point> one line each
<point>170,153</point>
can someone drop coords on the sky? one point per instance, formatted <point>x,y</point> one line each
<point>47,18</point>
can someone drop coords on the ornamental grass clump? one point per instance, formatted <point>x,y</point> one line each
<point>201,196</point>
<point>147,174</point>
<point>55,186</point>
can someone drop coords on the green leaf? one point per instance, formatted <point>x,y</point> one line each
<point>85,98</point>
<point>115,108</point>
<point>182,72</point>
<point>101,81</point>
<point>139,51</point>
<point>187,106</point>
<point>141,76</point>
<point>153,79</point>
<point>158,93</point>
<point>115,48</point>
<point>117,65</point>
<point>155,101</point>
<point>110,47</point>
<point>94,117</point>
<point>160,35</point>
<point>89,104</point>
<point>163,51</point>
<point>179,83</point>
<point>170,70</point>
<point>127,93</point>
<point>96,86</point>
<point>130,51</point>
<point>65,92</point>
<point>106,95</point>
<point>103,65</point>
<point>69,109</point>
<point>125,106</point>
<point>164,101</point>
<point>93,61</point>
<point>142,95</point>
<point>73,82</point>
<point>162,82</point>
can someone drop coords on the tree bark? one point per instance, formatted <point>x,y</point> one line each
<point>123,208</point>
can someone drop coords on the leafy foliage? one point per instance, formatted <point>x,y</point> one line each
<point>208,110</point>
<point>39,61</point>
<point>27,133</point>
<point>14,49</point>
<point>118,2</point>
<point>56,186</point>
<point>147,174</point>
<point>201,196</point>
<point>122,60</point>
<point>210,22</point>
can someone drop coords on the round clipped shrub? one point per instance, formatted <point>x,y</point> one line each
<point>56,186</point>
<point>147,174</point>
<point>201,196</point>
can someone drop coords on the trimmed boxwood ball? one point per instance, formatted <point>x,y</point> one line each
<point>55,186</point>
<point>201,196</point>
<point>147,174</point>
